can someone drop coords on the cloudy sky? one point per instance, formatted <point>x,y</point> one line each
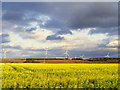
<point>89,28</point>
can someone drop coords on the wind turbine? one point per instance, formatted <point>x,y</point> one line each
<point>46,53</point>
<point>4,53</point>
<point>66,54</point>
<point>108,55</point>
<point>82,56</point>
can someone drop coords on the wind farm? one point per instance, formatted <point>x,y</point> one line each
<point>59,45</point>
<point>65,59</point>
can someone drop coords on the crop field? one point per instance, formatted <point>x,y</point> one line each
<point>36,75</point>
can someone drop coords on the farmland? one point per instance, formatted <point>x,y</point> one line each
<point>59,60</point>
<point>36,75</point>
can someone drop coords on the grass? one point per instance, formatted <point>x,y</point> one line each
<point>34,75</point>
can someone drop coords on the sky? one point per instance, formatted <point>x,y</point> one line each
<point>82,28</point>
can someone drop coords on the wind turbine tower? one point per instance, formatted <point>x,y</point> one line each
<point>46,52</point>
<point>4,53</point>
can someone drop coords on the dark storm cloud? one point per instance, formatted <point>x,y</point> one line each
<point>71,15</point>
<point>5,38</point>
<point>13,16</point>
<point>58,26</point>
<point>31,29</point>
<point>54,37</point>
<point>109,30</point>
<point>64,31</point>
<point>64,16</point>
<point>17,18</point>
<point>95,15</point>
<point>27,7</point>
<point>54,23</point>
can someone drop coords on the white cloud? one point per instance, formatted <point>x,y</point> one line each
<point>38,34</point>
<point>0,33</point>
<point>44,19</point>
<point>113,41</point>
<point>79,40</point>
<point>82,40</point>
<point>37,40</point>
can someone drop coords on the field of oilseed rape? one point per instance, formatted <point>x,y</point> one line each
<point>34,75</point>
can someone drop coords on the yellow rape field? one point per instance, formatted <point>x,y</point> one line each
<point>36,75</point>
